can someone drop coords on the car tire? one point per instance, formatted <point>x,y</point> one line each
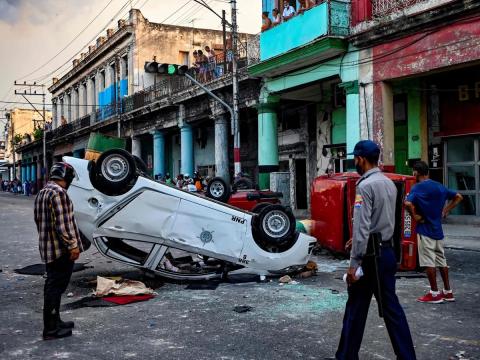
<point>242,184</point>
<point>259,207</point>
<point>114,172</point>
<point>218,189</point>
<point>274,228</point>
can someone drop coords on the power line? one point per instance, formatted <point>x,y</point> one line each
<point>69,43</point>
<point>76,54</point>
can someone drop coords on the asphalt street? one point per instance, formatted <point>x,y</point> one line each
<point>301,321</point>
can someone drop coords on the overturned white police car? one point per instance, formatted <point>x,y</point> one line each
<point>176,234</point>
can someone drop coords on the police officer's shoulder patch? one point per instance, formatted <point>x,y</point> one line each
<point>358,201</point>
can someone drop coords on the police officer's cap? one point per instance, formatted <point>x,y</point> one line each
<point>365,148</point>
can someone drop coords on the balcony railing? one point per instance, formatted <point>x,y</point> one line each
<point>248,54</point>
<point>382,8</point>
<point>69,128</point>
<point>329,18</point>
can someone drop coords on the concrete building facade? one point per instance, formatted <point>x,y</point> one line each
<point>308,111</point>
<point>23,127</point>
<point>420,87</point>
<point>168,122</point>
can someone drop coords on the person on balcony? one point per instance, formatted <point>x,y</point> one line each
<point>203,64</point>
<point>277,19</point>
<point>212,62</point>
<point>305,5</point>
<point>288,11</point>
<point>196,64</point>
<point>266,22</point>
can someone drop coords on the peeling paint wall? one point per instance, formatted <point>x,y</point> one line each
<point>170,44</point>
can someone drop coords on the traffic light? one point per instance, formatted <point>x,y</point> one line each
<point>165,69</point>
<point>151,67</point>
<point>172,69</point>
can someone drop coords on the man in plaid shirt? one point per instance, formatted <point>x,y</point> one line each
<point>59,244</point>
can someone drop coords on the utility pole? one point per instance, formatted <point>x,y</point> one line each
<point>32,92</point>
<point>236,123</point>
<point>224,28</point>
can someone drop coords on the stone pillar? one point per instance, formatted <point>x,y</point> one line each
<point>267,139</point>
<point>388,125</point>
<point>28,172</point>
<point>221,148</point>
<point>186,149</point>
<point>353,114</point>
<point>159,153</point>
<point>33,172</point>
<point>136,147</point>
<point>23,175</point>
<point>90,94</point>
<point>54,114</point>
<point>81,99</point>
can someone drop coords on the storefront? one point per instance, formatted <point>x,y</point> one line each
<point>459,125</point>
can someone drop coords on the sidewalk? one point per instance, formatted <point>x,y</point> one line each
<point>462,236</point>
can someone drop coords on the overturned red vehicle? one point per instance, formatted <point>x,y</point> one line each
<point>332,200</point>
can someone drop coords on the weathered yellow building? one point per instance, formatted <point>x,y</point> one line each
<point>21,129</point>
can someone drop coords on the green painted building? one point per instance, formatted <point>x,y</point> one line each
<point>309,105</point>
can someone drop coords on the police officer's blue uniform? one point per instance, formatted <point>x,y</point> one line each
<point>374,212</point>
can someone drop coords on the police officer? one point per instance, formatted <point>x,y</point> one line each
<point>374,213</point>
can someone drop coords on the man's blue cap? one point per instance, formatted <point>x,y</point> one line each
<point>365,148</point>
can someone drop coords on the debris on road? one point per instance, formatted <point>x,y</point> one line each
<point>127,299</point>
<point>242,309</point>
<point>70,294</point>
<point>107,286</point>
<point>285,279</point>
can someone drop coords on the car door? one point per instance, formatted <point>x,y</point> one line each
<point>148,216</point>
<point>204,227</point>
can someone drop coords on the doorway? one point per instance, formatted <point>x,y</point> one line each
<point>301,183</point>
<point>400,119</point>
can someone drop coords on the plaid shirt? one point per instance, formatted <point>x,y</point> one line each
<point>57,230</point>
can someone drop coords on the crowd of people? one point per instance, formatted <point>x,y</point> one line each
<point>17,187</point>
<point>195,183</point>
<point>205,64</point>
<point>289,11</point>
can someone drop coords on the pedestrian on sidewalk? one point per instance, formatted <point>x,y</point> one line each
<point>426,203</point>
<point>59,245</point>
<point>373,220</point>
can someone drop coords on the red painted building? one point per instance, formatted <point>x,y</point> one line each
<point>419,69</point>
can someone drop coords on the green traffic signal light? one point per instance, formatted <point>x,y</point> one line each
<point>172,69</point>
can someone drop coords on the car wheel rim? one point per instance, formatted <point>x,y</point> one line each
<point>217,189</point>
<point>276,224</point>
<point>115,168</point>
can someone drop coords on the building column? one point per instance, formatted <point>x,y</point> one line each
<point>90,94</point>
<point>353,114</point>
<point>33,171</point>
<point>267,139</point>
<point>383,124</point>
<point>186,149</point>
<point>23,175</point>
<point>159,153</point>
<point>54,114</point>
<point>136,147</point>
<point>27,172</point>
<point>221,148</point>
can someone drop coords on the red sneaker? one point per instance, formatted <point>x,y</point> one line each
<point>429,298</point>
<point>448,296</point>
